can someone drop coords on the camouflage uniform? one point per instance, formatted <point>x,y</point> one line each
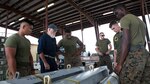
<point>70,46</point>
<point>146,73</point>
<point>136,68</point>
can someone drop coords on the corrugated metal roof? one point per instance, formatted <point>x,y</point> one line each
<point>62,12</point>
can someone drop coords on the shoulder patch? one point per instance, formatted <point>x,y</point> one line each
<point>116,38</point>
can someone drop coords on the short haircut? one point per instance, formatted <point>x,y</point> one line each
<point>101,33</point>
<point>67,30</point>
<point>119,6</point>
<point>112,23</point>
<point>27,21</point>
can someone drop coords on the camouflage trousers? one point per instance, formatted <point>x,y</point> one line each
<point>74,61</point>
<point>136,69</point>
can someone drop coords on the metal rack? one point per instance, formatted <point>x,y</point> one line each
<point>3,62</point>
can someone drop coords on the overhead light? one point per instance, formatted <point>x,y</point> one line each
<point>21,18</point>
<point>76,21</point>
<point>107,13</point>
<point>40,9</point>
<point>42,31</point>
<point>45,7</point>
<point>73,22</point>
<point>50,5</point>
<point>68,23</point>
<point>11,23</point>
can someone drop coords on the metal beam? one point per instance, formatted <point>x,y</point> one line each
<point>46,15</point>
<point>18,12</point>
<point>16,19</point>
<point>143,16</point>
<point>96,30</point>
<point>59,16</point>
<point>6,25</point>
<point>4,13</point>
<point>13,17</point>
<point>81,11</point>
<point>1,25</point>
<point>81,27</point>
<point>60,8</point>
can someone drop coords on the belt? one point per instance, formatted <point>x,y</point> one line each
<point>136,47</point>
<point>49,56</point>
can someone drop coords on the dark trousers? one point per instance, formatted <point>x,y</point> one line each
<point>51,62</point>
<point>105,60</point>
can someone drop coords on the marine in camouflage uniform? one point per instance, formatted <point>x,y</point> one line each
<point>17,49</point>
<point>134,65</point>
<point>136,68</point>
<point>72,51</point>
<point>103,51</point>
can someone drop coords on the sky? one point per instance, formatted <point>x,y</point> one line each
<point>89,38</point>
